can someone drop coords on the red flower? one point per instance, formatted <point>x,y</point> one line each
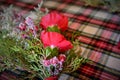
<point>46,63</point>
<point>55,39</point>
<point>62,57</point>
<point>54,19</point>
<point>52,78</point>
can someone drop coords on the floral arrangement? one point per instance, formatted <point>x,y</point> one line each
<point>38,44</point>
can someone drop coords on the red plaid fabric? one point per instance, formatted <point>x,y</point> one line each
<point>99,35</point>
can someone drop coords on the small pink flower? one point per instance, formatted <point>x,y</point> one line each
<point>24,36</point>
<point>46,63</point>
<point>22,26</point>
<point>54,61</point>
<point>29,21</point>
<point>30,24</point>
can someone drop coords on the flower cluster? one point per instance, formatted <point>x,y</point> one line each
<point>56,63</point>
<point>52,24</point>
<point>40,45</point>
<point>50,37</point>
<point>28,26</point>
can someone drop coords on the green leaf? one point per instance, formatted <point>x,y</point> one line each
<point>53,29</point>
<point>51,52</point>
<point>15,49</point>
<point>47,51</point>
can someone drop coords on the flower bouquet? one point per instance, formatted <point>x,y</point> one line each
<point>38,43</point>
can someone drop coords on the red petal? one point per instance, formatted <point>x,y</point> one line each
<point>63,23</point>
<point>53,19</point>
<point>52,78</point>
<point>65,45</point>
<point>55,39</point>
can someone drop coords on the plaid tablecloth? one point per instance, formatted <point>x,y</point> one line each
<point>99,35</point>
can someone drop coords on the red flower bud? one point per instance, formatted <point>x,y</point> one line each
<point>62,57</point>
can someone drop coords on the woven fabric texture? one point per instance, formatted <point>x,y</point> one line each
<point>99,35</point>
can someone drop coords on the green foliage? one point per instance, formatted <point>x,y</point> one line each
<point>50,52</point>
<point>15,55</point>
<point>6,52</point>
<point>53,29</point>
<point>73,62</point>
<point>74,59</point>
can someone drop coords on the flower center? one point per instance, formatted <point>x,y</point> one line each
<point>52,46</point>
